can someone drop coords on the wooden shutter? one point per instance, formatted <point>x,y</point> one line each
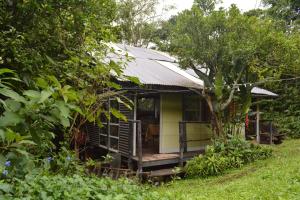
<point>93,132</point>
<point>126,130</point>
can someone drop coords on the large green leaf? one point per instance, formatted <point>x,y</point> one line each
<point>9,119</point>
<point>134,79</point>
<point>5,70</point>
<point>63,108</point>
<point>10,136</point>
<point>12,94</point>
<point>75,108</point>
<point>45,94</point>
<point>69,94</point>
<point>117,114</point>
<point>64,121</point>
<point>6,188</point>
<point>12,105</point>
<point>42,83</point>
<point>124,103</point>
<point>113,85</point>
<point>32,94</point>
<point>55,81</point>
<point>2,134</point>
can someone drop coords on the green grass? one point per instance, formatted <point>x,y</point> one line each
<point>275,178</point>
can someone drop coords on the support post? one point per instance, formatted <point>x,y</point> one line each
<point>181,145</point>
<point>184,138</point>
<point>257,124</point>
<point>140,153</point>
<point>271,132</point>
<point>134,124</point>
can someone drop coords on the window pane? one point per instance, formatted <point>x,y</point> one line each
<point>114,143</point>
<point>192,116</point>
<point>114,130</point>
<point>103,140</point>
<point>191,108</point>
<point>104,113</point>
<point>115,105</point>
<point>103,130</point>
<point>146,104</point>
<point>192,103</point>
<point>103,117</point>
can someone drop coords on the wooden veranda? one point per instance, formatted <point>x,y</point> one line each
<point>146,160</point>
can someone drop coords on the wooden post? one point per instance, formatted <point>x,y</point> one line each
<point>140,153</point>
<point>181,141</point>
<point>134,125</point>
<point>271,133</point>
<point>108,126</point>
<point>257,124</point>
<point>184,138</point>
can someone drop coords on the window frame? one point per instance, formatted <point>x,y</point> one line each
<point>199,110</point>
<point>108,137</point>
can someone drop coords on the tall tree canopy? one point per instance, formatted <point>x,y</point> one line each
<point>287,10</point>
<point>228,49</point>
<point>53,37</point>
<point>57,48</point>
<point>138,20</point>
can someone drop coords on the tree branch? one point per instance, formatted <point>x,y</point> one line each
<point>202,75</point>
<point>234,87</point>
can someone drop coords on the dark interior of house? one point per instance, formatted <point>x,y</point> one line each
<point>148,111</point>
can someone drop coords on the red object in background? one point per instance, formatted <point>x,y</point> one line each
<point>247,121</point>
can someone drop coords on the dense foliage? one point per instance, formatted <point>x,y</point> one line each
<point>223,156</point>
<point>74,187</point>
<point>54,76</point>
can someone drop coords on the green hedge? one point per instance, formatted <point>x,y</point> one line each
<point>223,156</point>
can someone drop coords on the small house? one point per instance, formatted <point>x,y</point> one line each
<point>169,122</point>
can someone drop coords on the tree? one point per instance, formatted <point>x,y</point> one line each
<point>57,46</point>
<point>287,10</point>
<point>138,20</point>
<point>227,50</point>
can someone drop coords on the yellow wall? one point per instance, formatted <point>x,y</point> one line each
<point>171,115</point>
<point>198,132</point>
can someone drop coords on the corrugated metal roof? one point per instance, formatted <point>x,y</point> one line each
<point>158,68</point>
<point>260,91</point>
<point>154,68</point>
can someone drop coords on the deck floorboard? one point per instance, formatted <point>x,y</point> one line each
<point>167,156</point>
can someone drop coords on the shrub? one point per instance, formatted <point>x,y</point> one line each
<point>74,187</point>
<point>63,162</point>
<point>223,156</point>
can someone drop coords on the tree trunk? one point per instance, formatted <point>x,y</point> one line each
<point>216,118</point>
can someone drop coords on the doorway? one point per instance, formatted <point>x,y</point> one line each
<point>148,111</point>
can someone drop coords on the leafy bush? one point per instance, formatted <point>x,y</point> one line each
<point>288,125</point>
<point>222,156</point>
<point>73,187</point>
<point>64,162</point>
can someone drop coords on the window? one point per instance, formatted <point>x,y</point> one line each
<point>109,133</point>
<point>191,108</point>
<point>195,108</point>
